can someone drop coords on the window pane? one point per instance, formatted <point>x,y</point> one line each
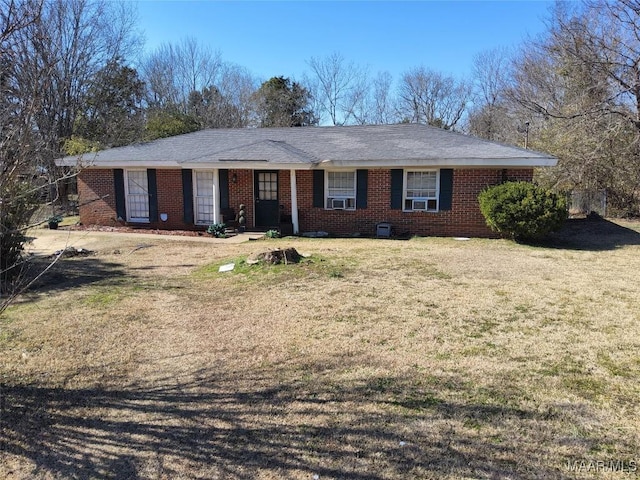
<point>204,198</point>
<point>204,210</point>
<point>268,186</point>
<point>341,184</point>
<point>138,206</point>
<point>204,183</point>
<point>421,185</point>
<point>137,182</point>
<point>138,194</point>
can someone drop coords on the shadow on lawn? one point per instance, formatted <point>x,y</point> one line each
<point>69,273</point>
<point>592,234</point>
<point>210,428</point>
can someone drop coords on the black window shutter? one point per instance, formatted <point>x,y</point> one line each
<point>318,188</point>
<point>187,195</point>
<point>446,188</point>
<point>397,179</point>
<point>118,183</point>
<point>223,181</point>
<point>153,194</point>
<point>362,182</point>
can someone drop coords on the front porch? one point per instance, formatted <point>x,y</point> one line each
<point>269,198</point>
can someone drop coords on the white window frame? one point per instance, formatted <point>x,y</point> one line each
<point>197,195</point>
<point>331,200</point>
<point>426,199</point>
<point>128,196</point>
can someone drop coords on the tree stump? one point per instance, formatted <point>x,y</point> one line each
<point>275,257</point>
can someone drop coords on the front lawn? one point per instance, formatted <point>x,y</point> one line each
<point>370,359</point>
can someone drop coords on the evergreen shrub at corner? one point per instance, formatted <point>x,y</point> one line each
<point>522,210</point>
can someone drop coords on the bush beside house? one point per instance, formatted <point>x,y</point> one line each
<point>522,210</point>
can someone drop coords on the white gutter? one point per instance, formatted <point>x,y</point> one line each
<point>445,162</point>
<point>81,163</point>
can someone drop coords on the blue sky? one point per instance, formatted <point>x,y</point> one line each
<point>278,38</point>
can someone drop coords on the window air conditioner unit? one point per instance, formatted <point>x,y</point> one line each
<point>338,203</point>
<point>419,205</point>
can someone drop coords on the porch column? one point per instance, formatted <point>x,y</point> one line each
<point>294,202</point>
<point>217,218</point>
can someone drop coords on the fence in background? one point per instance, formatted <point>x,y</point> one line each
<point>583,202</point>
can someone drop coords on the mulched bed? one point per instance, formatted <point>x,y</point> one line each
<point>151,231</point>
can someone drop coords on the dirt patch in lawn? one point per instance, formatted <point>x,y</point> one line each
<point>370,359</point>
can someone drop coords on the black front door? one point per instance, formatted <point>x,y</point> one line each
<point>265,189</point>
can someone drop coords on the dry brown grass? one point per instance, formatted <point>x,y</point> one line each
<point>373,359</point>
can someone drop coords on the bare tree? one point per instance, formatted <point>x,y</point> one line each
<point>426,96</point>
<point>337,86</point>
<point>237,85</point>
<point>19,144</point>
<point>158,72</point>
<point>376,105</point>
<point>582,79</point>
<point>50,52</point>
<point>57,59</point>
<point>75,39</point>
<point>384,109</point>
<point>492,116</point>
<point>191,79</point>
<point>228,103</point>
<point>597,46</point>
<point>172,72</point>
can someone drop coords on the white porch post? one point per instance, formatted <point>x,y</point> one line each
<point>294,202</point>
<point>217,218</point>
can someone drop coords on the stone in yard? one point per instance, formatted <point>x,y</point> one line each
<point>72,252</point>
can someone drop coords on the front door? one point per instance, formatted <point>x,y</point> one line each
<point>265,188</point>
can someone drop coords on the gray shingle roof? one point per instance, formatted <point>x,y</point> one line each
<point>263,150</point>
<point>306,147</point>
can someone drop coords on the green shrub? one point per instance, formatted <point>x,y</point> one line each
<point>18,202</point>
<point>522,210</point>
<point>217,230</point>
<point>272,234</point>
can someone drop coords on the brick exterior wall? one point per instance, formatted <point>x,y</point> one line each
<point>241,193</point>
<point>170,200</point>
<point>97,199</point>
<point>464,218</point>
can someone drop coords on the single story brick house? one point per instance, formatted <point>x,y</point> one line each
<point>342,180</point>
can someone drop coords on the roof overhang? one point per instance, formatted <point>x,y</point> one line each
<point>446,162</point>
<point>96,163</point>
<point>245,165</point>
<point>267,165</point>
